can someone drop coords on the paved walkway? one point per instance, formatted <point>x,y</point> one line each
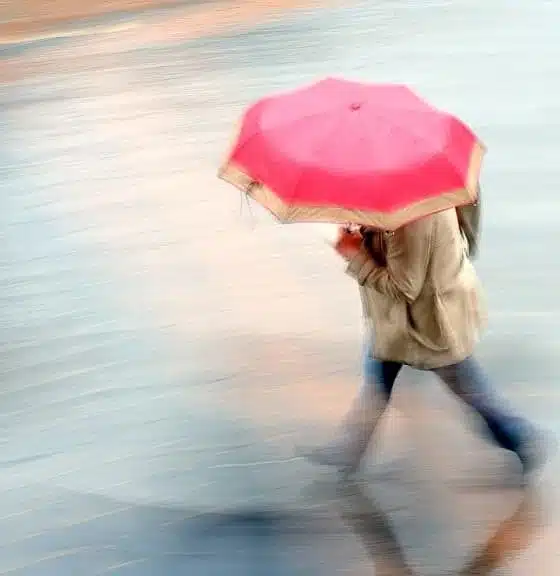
<point>161,18</point>
<point>163,347</point>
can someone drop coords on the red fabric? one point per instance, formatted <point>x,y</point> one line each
<point>352,145</point>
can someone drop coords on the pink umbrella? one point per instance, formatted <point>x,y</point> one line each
<point>341,151</point>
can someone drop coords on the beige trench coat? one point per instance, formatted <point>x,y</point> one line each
<point>426,306</point>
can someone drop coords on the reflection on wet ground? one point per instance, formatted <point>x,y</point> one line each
<point>515,533</point>
<point>162,354</point>
<point>64,531</point>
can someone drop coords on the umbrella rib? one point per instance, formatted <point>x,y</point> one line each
<point>421,137</point>
<point>291,123</point>
<point>318,150</point>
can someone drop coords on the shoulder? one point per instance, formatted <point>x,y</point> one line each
<point>421,227</point>
<point>441,223</point>
<point>444,220</point>
<point>446,231</point>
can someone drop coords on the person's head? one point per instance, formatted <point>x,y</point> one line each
<point>374,243</point>
<point>367,230</point>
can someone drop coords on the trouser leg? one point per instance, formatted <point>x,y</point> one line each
<point>468,381</point>
<point>367,409</point>
<point>359,424</point>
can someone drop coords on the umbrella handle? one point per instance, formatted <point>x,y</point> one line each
<point>352,228</point>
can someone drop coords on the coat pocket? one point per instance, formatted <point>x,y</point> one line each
<point>429,325</point>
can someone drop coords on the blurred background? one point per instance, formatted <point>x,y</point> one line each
<point>164,346</point>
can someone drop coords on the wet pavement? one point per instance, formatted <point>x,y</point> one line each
<point>164,347</point>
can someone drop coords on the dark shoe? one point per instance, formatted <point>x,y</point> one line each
<point>331,455</point>
<point>534,452</point>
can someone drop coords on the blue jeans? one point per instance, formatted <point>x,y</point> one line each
<point>469,383</point>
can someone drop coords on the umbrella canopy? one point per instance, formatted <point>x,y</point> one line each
<point>342,151</point>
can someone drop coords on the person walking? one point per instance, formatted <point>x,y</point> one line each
<point>423,304</point>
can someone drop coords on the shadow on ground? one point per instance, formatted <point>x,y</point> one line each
<point>144,539</point>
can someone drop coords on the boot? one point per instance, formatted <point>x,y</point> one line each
<point>347,451</point>
<point>534,451</point>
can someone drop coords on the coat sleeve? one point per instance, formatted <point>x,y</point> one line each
<point>408,254</point>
